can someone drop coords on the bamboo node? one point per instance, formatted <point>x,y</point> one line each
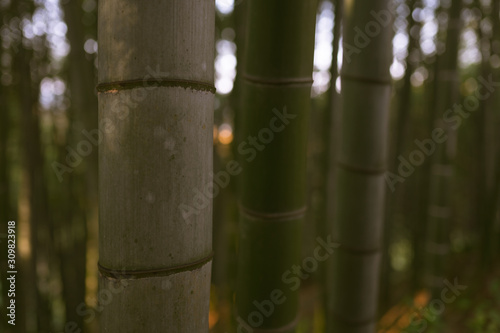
<point>281,216</point>
<point>151,83</point>
<point>144,273</point>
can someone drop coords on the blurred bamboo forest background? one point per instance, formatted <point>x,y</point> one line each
<point>444,52</point>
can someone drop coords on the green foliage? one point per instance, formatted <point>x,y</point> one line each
<point>486,315</point>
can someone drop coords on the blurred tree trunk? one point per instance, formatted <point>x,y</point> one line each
<point>224,237</point>
<point>226,203</point>
<point>397,144</point>
<point>82,118</point>
<point>71,233</point>
<point>440,198</point>
<point>240,27</point>
<point>40,230</point>
<point>488,185</point>
<point>423,189</point>
<point>360,183</point>
<point>330,139</point>
<point>276,91</point>
<point>6,211</point>
<point>8,122</point>
<point>155,162</point>
<point>82,90</point>
<point>495,50</point>
<point>220,239</point>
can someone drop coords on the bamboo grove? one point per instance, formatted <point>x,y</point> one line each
<point>249,166</point>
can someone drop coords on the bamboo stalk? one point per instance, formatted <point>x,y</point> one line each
<point>331,139</point>
<point>156,116</point>
<point>361,164</point>
<point>439,209</point>
<point>276,87</point>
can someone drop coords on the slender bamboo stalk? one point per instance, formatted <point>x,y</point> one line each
<point>155,160</point>
<point>276,91</point>
<point>439,209</point>
<point>495,41</point>
<point>398,143</point>
<point>76,220</point>
<point>40,235</point>
<point>6,211</point>
<point>236,103</point>
<point>361,164</point>
<point>488,142</point>
<point>419,259</point>
<point>330,140</point>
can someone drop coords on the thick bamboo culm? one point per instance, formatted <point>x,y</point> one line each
<point>156,100</point>
<point>276,87</point>
<point>361,164</point>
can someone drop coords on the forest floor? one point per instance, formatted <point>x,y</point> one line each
<point>478,311</point>
<point>473,308</point>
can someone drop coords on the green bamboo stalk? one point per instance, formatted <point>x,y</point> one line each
<point>39,217</point>
<point>361,164</point>
<point>82,116</point>
<point>419,259</point>
<point>330,139</point>
<point>495,40</point>
<point>439,209</point>
<point>156,117</point>
<point>488,143</point>
<point>485,147</point>
<point>6,211</point>
<point>276,85</point>
<point>398,143</point>
<point>236,103</point>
